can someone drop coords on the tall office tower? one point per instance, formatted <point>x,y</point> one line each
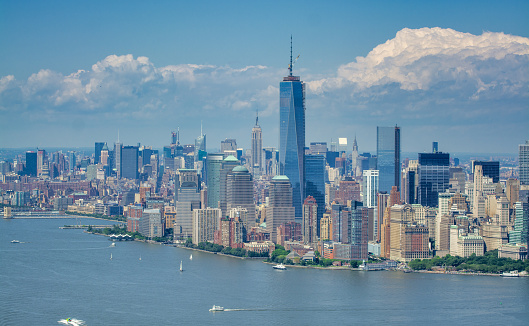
<point>200,145</point>
<point>382,204</point>
<point>205,222</point>
<point>174,137</point>
<point>326,227</point>
<point>31,163</point>
<point>410,181</point>
<point>97,152</point>
<point>187,199</point>
<point>370,188</point>
<point>213,165</point>
<point>478,204</point>
<point>117,158</point>
<point>103,158</point>
<point>309,226</point>
<point>228,145</point>
<point>280,209</point>
<point>521,223</point>
<point>435,147</point>
<point>239,193</point>
<point>318,148</point>
<point>71,161</point>
<point>490,169</point>
<point>129,162</point>
<point>292,134</point>
<point>358,230</point>
<point>523,160</point>
<point>42,160</point>
<point>315,181</point>
<point>512,191</point>
<point>434,177</point>
<point>340,215</point>
<point>257,148</point>
<point>355,167</point>
<point>388,157</point>
<point>226,167</point>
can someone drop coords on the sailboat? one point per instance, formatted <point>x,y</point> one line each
<point>191,257</point>
<point>140,257</point>
<point>110,256</point>
<point>181,268</point>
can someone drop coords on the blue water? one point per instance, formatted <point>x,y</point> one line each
<point>58,274</point>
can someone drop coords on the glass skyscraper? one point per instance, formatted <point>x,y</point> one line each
<point>315,181</point>
<point>388,157</point>
<point>434,177</point>
<point>292,136</point>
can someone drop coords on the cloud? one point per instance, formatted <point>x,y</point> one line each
<point>435,58</point>
<point>421,77</point>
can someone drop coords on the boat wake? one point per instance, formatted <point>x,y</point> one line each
<point>71,321</point>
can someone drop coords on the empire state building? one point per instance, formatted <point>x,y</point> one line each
<point>292,135</point>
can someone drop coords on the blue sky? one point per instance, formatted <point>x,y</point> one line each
<point>73,73</point>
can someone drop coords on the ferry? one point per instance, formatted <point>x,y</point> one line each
<point>280,266</point>
<point>216,308</point>
<point>15,241</point>
<point>510,274</point>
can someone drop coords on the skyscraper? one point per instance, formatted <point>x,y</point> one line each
<point>213,166</point>
<point>257,148</point>
<point>434,177</point>
<point>280,210</point>
<point>292,134</point>
<point>309,226</point>
<point>187,199</point>
<point>239,194</point>
<point>388,157</point>
<point>315,181</point>
<point>97,151</point>
<point>491,169</point>
<point>200,144</point>
<point>523,160</point>
<point>370,188</point>
<point>129,162</point>
<point>31,163</point>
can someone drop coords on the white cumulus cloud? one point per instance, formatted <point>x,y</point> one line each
<point>426,58</point>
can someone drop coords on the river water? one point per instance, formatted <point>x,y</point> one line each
<point>60,273</point>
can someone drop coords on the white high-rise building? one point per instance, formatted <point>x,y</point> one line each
<point>370,188</point>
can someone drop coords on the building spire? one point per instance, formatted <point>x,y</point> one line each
<point>257,117</point>
<point>201,134</point>
<point>290,66</point>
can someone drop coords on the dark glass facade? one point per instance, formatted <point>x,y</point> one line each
<point>292,137</point>
<point>388,157</point>
<point>434,177</point>
<point>315,181</point>
<point>31,164</point>
<point>491,169</point>
<point>129,162</point>
<point>97,152</point>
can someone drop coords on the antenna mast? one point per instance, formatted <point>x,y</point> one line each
<point>290,66</point>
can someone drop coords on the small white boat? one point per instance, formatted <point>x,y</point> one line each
<point>113,244</point>
<point>216,308</point>
<point>110,256</point>
<point>510,274</point>
<point>280,266</point>
<point>140,257</point>
<point>15,241</point>
<point>191,257</point>
<point>181,268</point>
<point>71,321</point>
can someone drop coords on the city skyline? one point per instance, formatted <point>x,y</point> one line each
<point>431,72</point>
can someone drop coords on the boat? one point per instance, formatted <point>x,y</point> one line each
<point>280,266</point>
<point>191,257</point>
<point>113,244</point>
<point>216,308</point>
<point>140,257</point>
<point>15,241</point>
<point>510,274</point>
<point>110,256</point>
<point>71,321</point>
<point>181,268</point>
